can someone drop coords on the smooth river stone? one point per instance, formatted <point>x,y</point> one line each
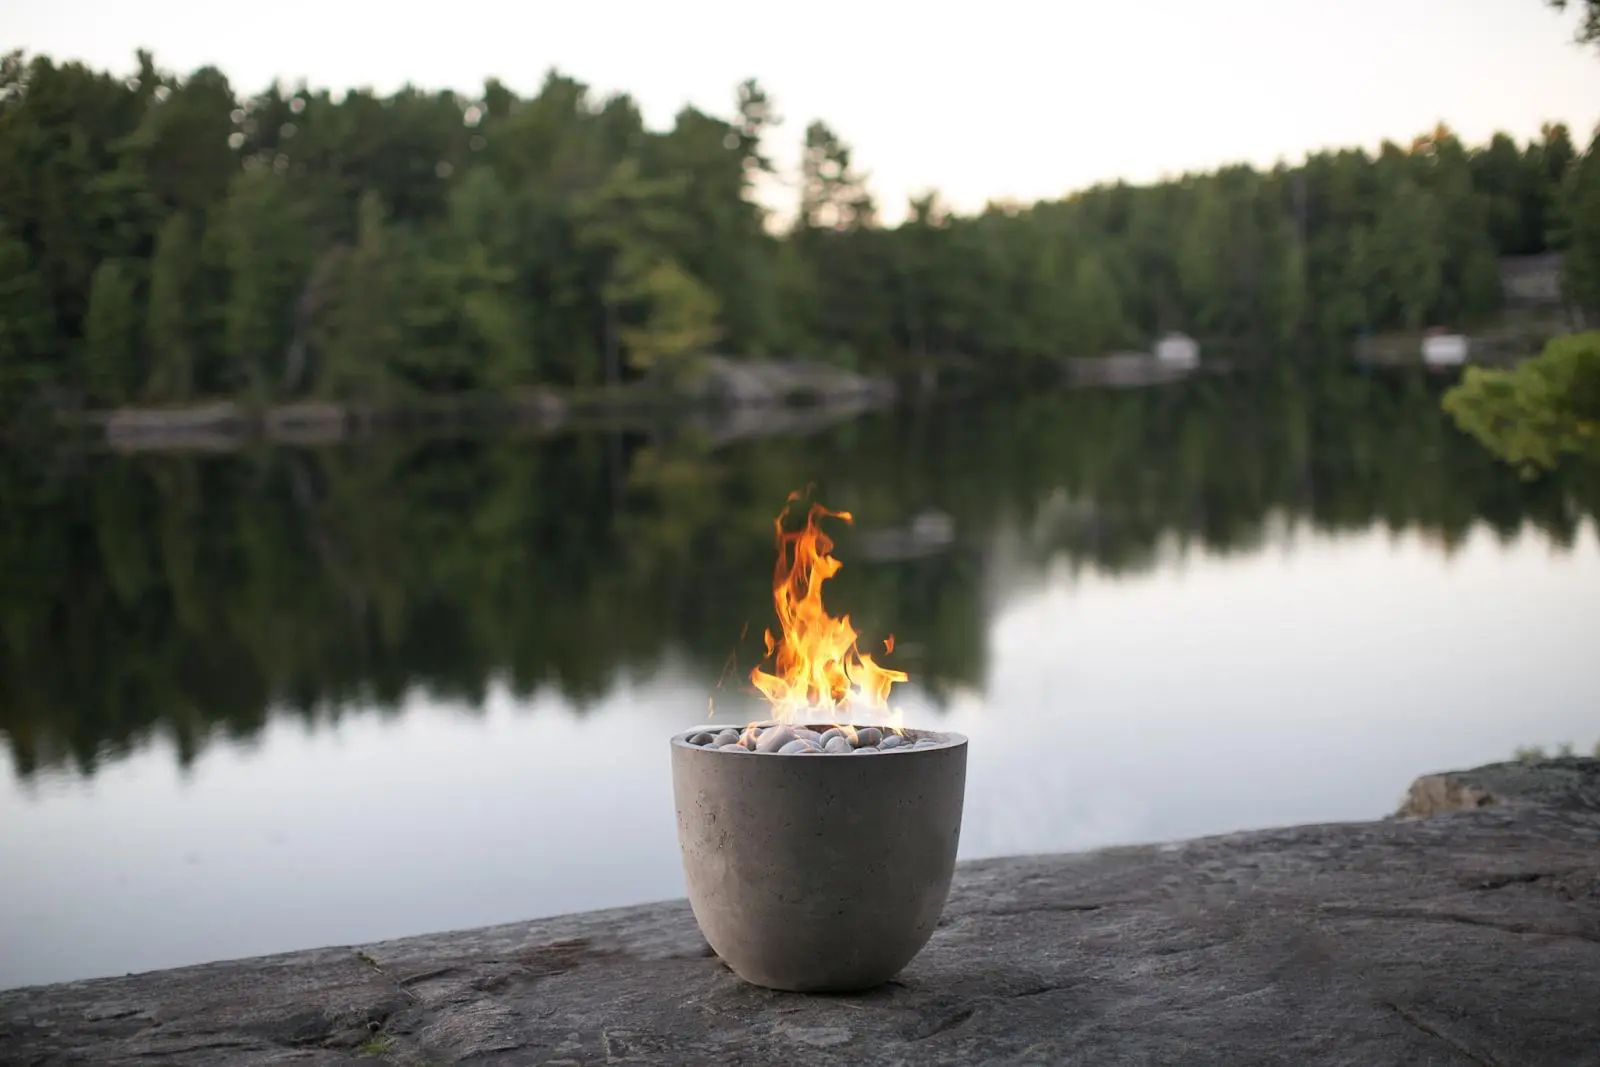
<point>892,741</point>
<point>735,747</point>
<point>702,738</point>
<point>868,736</point>
<point>795,747</point>
<point>829,735</point>
<point>774,739</point>
<point>730,736</point>
<point>838,744</point>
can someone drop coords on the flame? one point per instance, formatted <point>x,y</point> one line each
<point>818,673</point>
<point>896,721</point>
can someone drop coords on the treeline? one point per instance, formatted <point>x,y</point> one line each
<point>208,593</point>
<point>164,238</point>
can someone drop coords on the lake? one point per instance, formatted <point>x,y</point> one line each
<point>283,698</point>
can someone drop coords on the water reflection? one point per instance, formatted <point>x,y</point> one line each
<point>188,595</point>
<point>289,698</point>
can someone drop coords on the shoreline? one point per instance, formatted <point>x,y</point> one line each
<point>1465,929</point>
<point>768,394</point>
<point>729,398</point>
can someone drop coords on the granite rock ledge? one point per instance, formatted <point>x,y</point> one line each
<point>1464,931</point>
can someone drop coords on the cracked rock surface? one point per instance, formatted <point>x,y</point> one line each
<point>1468,937</point>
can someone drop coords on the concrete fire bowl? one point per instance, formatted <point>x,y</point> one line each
<point>819,873</point>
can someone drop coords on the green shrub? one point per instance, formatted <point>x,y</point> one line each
<point>1534,414</point>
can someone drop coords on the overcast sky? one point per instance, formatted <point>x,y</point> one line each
<point>1002,98</point>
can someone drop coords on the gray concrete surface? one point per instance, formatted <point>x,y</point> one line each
<point>823,873</point>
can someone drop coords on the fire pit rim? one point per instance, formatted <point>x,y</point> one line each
<point>943,739</point>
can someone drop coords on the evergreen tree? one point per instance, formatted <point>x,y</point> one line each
<point>27,343</point>
<point>111,329</point>
<point>169,329</point>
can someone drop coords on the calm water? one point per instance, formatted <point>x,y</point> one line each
<point>293,698</point>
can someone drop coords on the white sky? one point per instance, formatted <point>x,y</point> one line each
<point>1007,98</point>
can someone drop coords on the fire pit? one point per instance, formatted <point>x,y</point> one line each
<point>818,849</point>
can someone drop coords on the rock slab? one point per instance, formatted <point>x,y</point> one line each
<point>1469,937</point>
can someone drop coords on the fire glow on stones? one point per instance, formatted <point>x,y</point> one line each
<point>818,672</point>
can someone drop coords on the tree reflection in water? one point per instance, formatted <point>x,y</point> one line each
<point>197,595</point>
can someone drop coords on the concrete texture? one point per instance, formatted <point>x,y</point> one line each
<point>1468,938</point>
<point>819,873</point>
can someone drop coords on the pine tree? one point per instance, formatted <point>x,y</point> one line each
<point>169,329</point>
<point>25,327</point>
<point>111,327</point>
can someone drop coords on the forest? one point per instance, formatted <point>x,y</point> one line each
<point>166,238</point>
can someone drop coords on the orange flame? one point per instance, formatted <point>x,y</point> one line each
<point>818,673</point>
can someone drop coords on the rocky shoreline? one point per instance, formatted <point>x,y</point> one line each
<point>1464,930</point>
<point>731,398</point>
